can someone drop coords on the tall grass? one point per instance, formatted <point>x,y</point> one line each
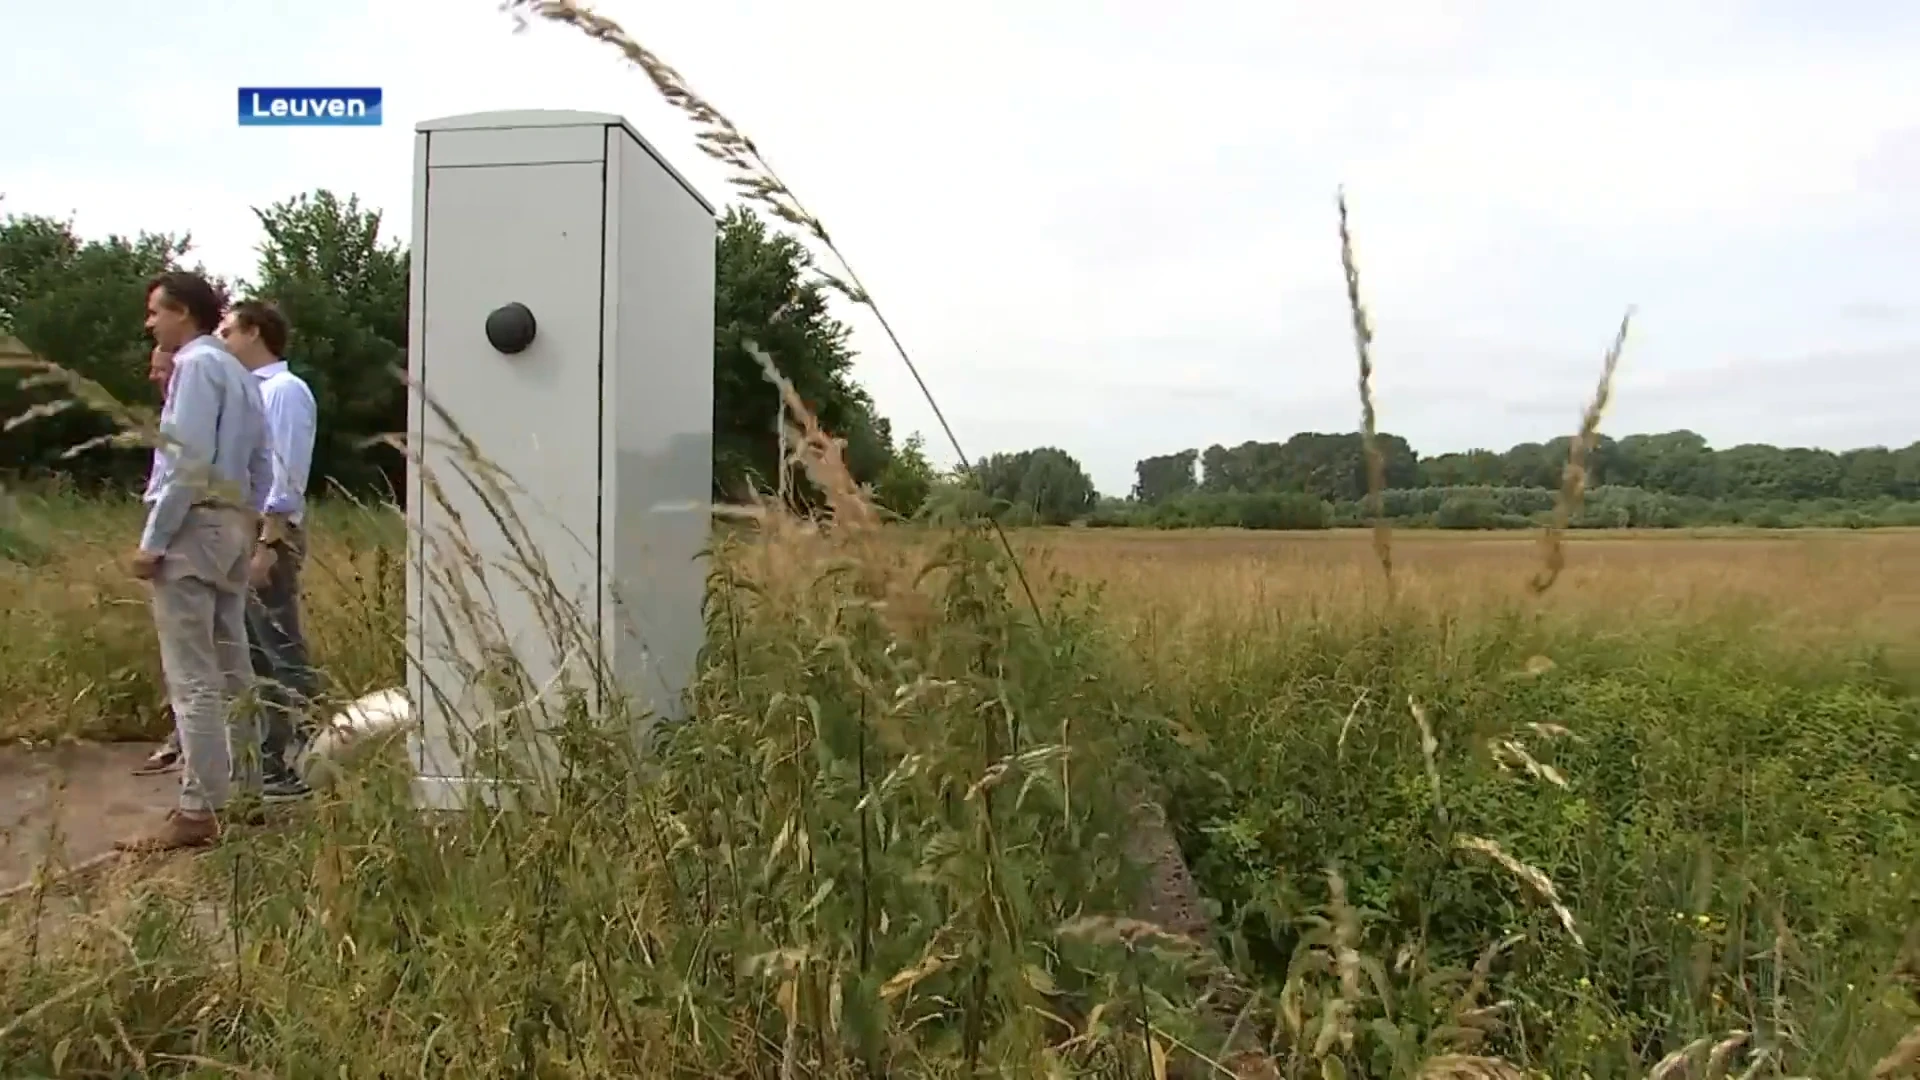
<point>77,654</point>
<point>901,794</point>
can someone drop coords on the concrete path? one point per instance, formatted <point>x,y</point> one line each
<point>84,794</point>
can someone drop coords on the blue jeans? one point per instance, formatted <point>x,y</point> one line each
<point>287,681</point>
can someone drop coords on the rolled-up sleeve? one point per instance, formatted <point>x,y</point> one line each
<point>291,424</point>
<point>260,474</point>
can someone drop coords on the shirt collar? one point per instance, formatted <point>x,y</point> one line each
<point>268,371</point>
<point>203,341</point>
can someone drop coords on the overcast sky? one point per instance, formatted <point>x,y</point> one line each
<point>1108,225</point>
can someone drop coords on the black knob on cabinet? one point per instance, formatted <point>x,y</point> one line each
<point>510,329</point>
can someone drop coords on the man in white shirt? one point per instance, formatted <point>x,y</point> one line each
<point>256,334</point>
<point>210,479</point>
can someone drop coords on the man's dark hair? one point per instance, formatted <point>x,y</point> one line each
<point>264,319</point>
<point>193,293</point>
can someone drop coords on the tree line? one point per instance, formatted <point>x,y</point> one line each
<point>1318,480</point>
<point>1674,479</point>
<point>78,302</point>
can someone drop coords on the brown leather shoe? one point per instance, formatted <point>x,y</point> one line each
<point>178,830</point>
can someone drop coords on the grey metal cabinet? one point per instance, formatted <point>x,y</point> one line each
<point>561,356</point>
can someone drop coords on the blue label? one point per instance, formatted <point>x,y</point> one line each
<point>331,106</point>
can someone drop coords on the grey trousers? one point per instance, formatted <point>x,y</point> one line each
<point>199,611</point>
<point>287,681</point>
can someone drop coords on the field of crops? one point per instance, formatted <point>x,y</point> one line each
<point>1441,827</point>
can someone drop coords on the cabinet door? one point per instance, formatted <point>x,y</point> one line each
<point>495,235</point>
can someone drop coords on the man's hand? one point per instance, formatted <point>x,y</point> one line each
<point>146,565</point>
<point>260,567</point>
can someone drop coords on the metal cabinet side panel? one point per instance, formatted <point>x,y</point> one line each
<point>494,235</point>
<point>416,330</point>
<point>611,618</point>
<point>660,292</point>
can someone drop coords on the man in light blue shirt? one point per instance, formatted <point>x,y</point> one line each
<point>212,471</point>
<point>256,334</point>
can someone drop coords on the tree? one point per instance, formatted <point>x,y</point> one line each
<point>1906,472</point>
<point>1468,512</point>
<point>1046,482</point>
<point>1475,468</point>
<point>1811,473</point>
<point>1169,476</point>
<point>1662,480</point>
<point>1869,473</point>
<point>907,479</point>
<point>80,304</point>
<point>1677,462</point>
<point>1332,467</point>
<point>344,292</point>
<point>956,498</point>
<point>764,294</point>
<point>1531,464</point>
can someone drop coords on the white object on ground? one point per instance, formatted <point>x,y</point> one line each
<point>379,713</point>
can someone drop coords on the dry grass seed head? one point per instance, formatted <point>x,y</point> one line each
<point>885,568</point>
<point>1482,972</point>
<point>1512,752</point>
<point>1720,1058</point>
<point>1573,477</point>
<point>1532,877</point>
<point>1468,1067</point>
<point>1429,751</point>
<point>1363,348</point>
<point>1346,960</point>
